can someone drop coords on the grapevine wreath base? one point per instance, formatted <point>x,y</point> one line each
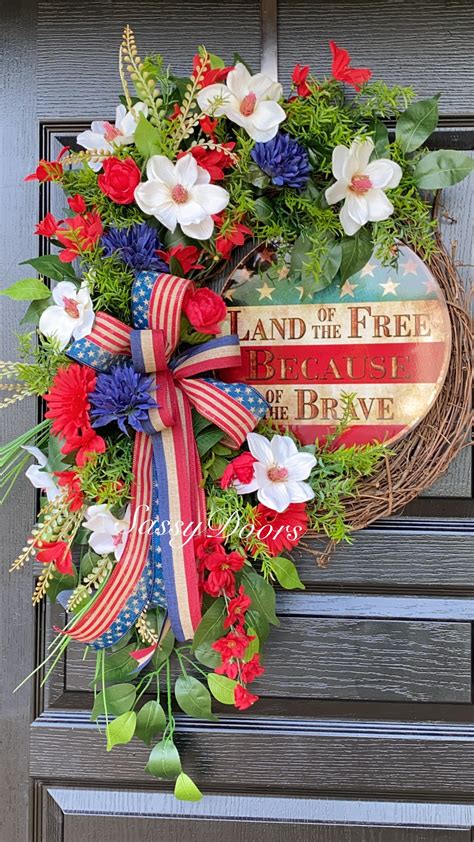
<point>424,454</point>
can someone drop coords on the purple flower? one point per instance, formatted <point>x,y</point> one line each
<point>122,395</point>
<point>284,160</point>
<point>136,246</point>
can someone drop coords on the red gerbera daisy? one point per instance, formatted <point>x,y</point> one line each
<point>281,530</point>
<point>68,403</point>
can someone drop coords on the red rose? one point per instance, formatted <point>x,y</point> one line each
<point>119,180</point>
<point>240,469</point>
<point>205,310</point>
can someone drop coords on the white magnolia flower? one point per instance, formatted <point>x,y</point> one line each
<point>70,315</point>
<point>109,533</point>
<point>40,478</point>
<point>181,194</point>
<point>279,472</point>
<point>250,101</point>
<point>103,136</point>
<point>362,185</point>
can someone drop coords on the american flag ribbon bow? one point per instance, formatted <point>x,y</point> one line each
<point>167,477</point>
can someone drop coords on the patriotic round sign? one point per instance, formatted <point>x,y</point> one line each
<point>383,336</point>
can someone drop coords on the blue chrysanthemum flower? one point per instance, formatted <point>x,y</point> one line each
<point>284,160</point>
<point>136,246</point>
<point>122,395</point>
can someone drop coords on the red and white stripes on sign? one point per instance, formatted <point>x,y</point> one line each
<point>135,553</point>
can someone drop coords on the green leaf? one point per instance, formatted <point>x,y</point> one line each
<point>121,730</point>
<point>261,593</point>
<point>29,289</point>
<point>33,313</point>
<point>215,61</point>
<point>330,264</point>
<point>193,697</point>
<point>206,441</point>
<point>55,456</point>
<point>119,665</point>
<point>416,124</point>
<point>151,720</point>
<point>185,789</point>
<point>119,698</point>
<point>263,209</point>
<point>261,625</point>
<point>58,583</point>
<point>199,422</point>
<point>210,629</point>
<point>381,142</point>
<point>239,60</point>
<point>222,688</point>
<point>356,252</point>
<point>255,176</point>
<point>147,138</point>
<point>254,646</point>
<point>164,650</point>
<point>164,761</point>
<point>442,168</point>
<point>217,468</point>
<point>298,253</point>
<point>286,573</point>
<point>175,267</point>
<point>52,267</point>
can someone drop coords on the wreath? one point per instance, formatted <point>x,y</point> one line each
<point>169,502</point>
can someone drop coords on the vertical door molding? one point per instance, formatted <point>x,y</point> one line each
<point>269,25</point>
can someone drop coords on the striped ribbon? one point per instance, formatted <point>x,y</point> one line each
<point>165,457</point>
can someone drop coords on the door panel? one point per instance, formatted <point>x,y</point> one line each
<point>368,687</point>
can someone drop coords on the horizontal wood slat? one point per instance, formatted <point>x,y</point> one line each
<point>265,755</point>
<point>90,36</point>
<point>426,44</point>
<point>359,659</point>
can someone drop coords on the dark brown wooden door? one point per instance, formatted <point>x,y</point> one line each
<point>366,729</point>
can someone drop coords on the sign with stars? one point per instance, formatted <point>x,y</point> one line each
<point>384,336</point>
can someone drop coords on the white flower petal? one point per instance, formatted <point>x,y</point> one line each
<point>239,80</point>
<point>212,198</point>
<point>209,97</point>
<point>186,171</point>
<point>267,115</point>
<point>260,135</point>
<point>40,457</point>
<point>275,496</point>
<point>299,492</point>
<point>265,87</point>
<point>85,325</point>
<point>340,155</point>
<point>384,173</point>
<point>358,207</point>
<point>203,177</point>
<point>101,543</point>
<point>349,225</point>
<point>379,206</point>
<point>299,467</point>
<point>160,168</point>
<point>55,323</point>
<point>93,140</point>
<point>199,230</point>
<point>247,487</point>
<point>190,213</point>
<point>283,448</point>
<point>154,198</point>
<point>363,151</point>
<point>260,448</point>
<point>336,192</point>
<point>62,290</point>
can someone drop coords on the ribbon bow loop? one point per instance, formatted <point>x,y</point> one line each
<point>167,478</point>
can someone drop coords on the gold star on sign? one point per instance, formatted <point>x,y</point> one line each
<point>368,270</point>
<point>389,287</point>
<point>410,267</point>
<point>265,291</point>
<point>348,289</point>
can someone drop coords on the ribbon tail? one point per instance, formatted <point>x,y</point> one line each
<point>180,504</point>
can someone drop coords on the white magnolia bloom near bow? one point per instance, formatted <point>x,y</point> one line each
<point>70,316</point>
<point>279,471</point>
<point>250,101</point>
<point>103,136</point>
<point>180,194</point>
<point>40,478</point>
<point>109,533</point>
<point>362,185</point>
